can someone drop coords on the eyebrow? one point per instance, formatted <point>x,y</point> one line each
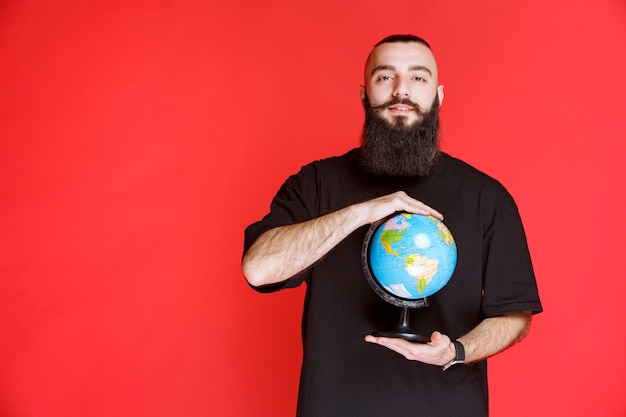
<point>411,68</point>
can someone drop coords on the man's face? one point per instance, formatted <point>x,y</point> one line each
<point>397,150</point>
<point>398,76</point>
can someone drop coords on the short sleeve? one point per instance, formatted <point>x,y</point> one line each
<point>295,202</point>
<point>509,279</point>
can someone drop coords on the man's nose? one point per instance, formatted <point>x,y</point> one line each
<point>400,89</point>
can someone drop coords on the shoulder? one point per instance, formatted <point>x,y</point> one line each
<point>456,166</point>
<point>326,169</point>
<point>460,171</point>
<point>348,160</point>
<point>320,178</point>
<point>475,189</point>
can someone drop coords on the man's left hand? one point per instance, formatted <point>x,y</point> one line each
<point>438,351</point>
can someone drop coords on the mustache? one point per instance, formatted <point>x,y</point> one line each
<point>398,100</point>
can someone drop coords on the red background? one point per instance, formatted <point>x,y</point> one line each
<point>138,139</point>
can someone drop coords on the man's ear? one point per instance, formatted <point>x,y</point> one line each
<point>362,87</point>
<point>440,94</point>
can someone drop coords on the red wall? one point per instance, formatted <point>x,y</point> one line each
<point>138,139</point>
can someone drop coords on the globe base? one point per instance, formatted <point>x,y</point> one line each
<point>411,337</point>
<point>403,330</point>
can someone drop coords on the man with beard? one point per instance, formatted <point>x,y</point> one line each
<point>314,234</point>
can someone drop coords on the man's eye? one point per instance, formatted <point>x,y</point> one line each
<point>384,78</point>
<point>420,79</point>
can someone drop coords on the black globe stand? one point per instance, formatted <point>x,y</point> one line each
<point>403,330</point>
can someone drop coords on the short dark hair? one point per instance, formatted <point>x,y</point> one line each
<point>403,38</point>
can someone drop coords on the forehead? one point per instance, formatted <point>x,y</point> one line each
<point>402,56</point>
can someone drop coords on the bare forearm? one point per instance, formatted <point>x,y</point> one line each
<point>283,252</point>
<point>495,334</point>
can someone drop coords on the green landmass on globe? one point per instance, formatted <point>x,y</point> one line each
<point>415,255</point>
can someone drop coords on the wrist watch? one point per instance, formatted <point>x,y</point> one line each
<point>459,358</point>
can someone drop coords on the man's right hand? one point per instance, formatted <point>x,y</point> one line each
<point>285,251</point>
<point>378,208</point>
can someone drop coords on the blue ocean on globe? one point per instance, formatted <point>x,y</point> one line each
<point>412,256</point>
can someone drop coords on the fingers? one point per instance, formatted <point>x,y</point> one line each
<point>433,352</point>
<point>415,206</point>
<point>400,346</point>
<point>403,202</point>
<point>396,202</point>
<point>436,337</point>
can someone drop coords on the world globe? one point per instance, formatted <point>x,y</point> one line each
<point>407,258</point>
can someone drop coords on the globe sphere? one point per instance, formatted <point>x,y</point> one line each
<point>408,257</point>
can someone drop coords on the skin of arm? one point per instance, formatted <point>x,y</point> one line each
<point>491,336</point>
<point>285,251</point>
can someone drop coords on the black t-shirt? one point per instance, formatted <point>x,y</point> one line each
<point>344,376</point>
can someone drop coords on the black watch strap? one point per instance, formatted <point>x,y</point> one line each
<point>459,356</point>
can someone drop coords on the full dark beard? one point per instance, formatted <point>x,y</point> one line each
<point>396,149</point>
